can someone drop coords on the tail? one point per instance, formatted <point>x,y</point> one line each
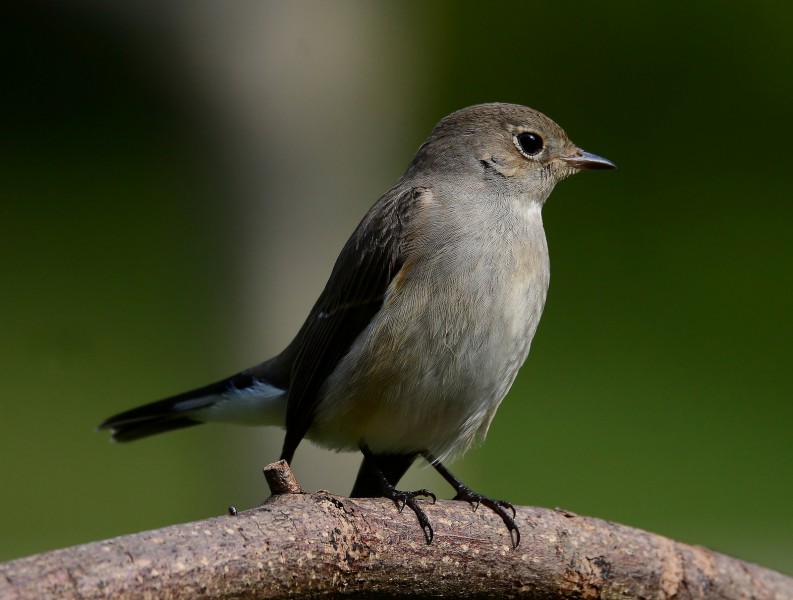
<point>245,399</point>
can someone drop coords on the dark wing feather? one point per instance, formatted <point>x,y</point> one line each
<point>354,293</point>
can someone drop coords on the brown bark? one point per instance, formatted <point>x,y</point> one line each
<point>319,545</point>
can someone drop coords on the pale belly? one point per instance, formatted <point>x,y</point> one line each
<point>431,369</point>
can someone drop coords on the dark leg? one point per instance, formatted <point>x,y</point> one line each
<point>378,477</point>
<point>369,484</point>
<point>500,507</point>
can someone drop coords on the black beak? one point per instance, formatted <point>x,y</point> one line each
<point>586,161</point>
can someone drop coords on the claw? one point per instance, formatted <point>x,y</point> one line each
<point>516,538</point>
<point>429,535</point>
<point>395,466</point>
<point>505,504</point>
<point>473,500</point>
<point>464,493</point>
<point>424,522</point>
<point>426,494</point>
<point>499,507</point>
<point>403,499</point>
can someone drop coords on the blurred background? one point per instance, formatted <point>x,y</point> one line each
<point>177,178</point>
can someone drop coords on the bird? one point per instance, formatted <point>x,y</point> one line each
<point>427,316</point>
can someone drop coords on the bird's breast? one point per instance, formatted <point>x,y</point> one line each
<point>456,325</point>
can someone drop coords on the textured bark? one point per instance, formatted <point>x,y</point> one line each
<point>319,545</point>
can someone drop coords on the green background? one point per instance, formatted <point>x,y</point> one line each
<point>658,390</point>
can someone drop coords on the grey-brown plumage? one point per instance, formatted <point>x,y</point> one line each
<point>427,316</point>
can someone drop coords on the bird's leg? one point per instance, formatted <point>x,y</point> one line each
<point>501,507</point>
<point>402,499</point>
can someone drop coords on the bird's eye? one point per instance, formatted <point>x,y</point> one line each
<point>529,143</point>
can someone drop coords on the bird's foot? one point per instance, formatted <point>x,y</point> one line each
<point>501,507</point>
<point>378,477</point>
<point>403,499</point>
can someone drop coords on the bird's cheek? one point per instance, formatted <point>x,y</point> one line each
<point>503,166</point>
<point>559,170</point>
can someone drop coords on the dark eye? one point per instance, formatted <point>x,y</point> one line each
<point>530,143</point>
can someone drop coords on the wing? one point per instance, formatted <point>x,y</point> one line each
<point>354,293</point>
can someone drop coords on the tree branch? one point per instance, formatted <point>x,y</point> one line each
<point>312,545</point>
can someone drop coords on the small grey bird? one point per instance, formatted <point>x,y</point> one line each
<point>428,314</point>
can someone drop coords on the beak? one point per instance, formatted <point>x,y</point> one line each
<point>586,161</point>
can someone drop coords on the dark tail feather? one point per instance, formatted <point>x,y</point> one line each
<point>186,409</point>
<point>127,432</point>
<point>170,413</point>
